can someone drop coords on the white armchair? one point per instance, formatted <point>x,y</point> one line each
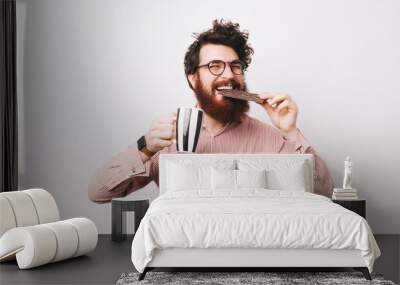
<point>32,233</point>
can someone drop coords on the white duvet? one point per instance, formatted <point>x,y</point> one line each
<point>252,218</point>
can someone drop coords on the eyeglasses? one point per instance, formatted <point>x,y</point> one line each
<point>217,67</point>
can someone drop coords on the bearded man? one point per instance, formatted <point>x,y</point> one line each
<point>216,60</point>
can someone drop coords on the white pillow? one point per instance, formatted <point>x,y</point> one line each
<point>185,175</point>
<point>223,179</point>
<point>181,177</point>
<point>251,178</point>
<point>282,174</point>
<point>292,178</point>
<point>228,179</point>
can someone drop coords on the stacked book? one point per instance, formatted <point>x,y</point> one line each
<point>344,194</point>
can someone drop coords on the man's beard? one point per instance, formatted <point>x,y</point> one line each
<point>226,110</point>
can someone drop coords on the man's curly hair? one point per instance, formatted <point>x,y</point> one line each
<point>222,33</point>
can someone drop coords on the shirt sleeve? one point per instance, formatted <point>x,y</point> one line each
<point>121,175</point>
<point>323,183</point>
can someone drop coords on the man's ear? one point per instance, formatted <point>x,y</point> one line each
<point>192,78</point>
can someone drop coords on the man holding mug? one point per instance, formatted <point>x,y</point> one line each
<point>216,60</point>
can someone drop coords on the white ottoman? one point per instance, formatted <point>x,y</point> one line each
<point>31,232</point>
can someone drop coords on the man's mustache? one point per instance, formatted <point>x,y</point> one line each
<point>233,83</point>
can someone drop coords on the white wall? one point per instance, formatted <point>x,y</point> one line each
<point>94,74</point>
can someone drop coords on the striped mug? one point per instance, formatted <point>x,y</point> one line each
<point>188,126</point>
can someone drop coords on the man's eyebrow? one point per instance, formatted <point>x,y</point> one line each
<point>223,60</point>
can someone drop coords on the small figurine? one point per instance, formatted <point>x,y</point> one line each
<point>347,173</point>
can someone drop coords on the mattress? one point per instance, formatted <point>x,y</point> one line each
<point>250,219</point>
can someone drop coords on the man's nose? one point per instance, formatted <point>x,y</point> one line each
<point>228,74</point>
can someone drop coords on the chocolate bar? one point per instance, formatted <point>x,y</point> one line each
<point>238,94</point>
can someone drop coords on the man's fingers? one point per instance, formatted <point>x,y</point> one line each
<point>164,134</point>
<point>271,95</point>
<point>283,105</point>
<point>267,95</point>
<point>166,125</point>
<point>278,99</point>
<point>164,143</point>
<point>163,130</point>
<point>273,98</point>
<point>167,119</point>
<point>269,108</point>
<point>162,126</point>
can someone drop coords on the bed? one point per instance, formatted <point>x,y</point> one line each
<point>247,210</point>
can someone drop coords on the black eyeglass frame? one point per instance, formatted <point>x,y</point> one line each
<point>244,67</point>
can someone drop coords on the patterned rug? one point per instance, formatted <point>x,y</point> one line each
<point>243,278</point>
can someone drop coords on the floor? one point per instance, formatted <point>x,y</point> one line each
<point>110,260</point>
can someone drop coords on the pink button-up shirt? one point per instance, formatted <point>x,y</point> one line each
<point>126,172</point>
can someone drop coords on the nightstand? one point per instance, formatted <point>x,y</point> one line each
<point>358,206</point>
<point>121,205</point>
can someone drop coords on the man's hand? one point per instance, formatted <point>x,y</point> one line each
<point>283,112</point>
<point>162,132</point>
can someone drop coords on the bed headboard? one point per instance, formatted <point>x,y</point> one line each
<point>213,158</point>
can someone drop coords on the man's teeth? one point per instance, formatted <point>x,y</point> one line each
<point>225,88</point>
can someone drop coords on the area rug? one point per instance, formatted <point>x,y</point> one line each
<point>243,278</point>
